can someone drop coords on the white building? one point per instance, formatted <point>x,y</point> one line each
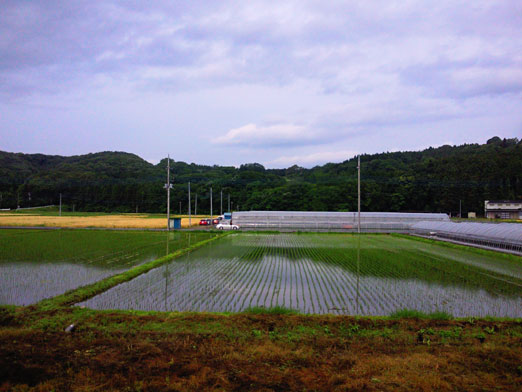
<point>503,209</point>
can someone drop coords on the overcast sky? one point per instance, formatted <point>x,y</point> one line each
<point>274,82</point>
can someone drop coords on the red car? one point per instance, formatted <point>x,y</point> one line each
<point>204,222</point>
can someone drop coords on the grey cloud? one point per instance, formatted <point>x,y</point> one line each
<point>466,79</point>
<point>257,42</point>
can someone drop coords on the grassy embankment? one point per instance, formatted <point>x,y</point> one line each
<point>486,220</point>
<point>138,351</point>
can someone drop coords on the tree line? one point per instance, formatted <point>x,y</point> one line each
<point>432,180</point>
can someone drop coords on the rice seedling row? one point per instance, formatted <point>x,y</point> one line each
<point>38,264</point>
<point>317,273</point>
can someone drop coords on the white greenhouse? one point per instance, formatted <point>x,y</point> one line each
<point>332,221</point>
<point>506,236</point>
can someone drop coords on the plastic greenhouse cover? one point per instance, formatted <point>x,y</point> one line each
<point>502,231</point>
<point>326,214</point>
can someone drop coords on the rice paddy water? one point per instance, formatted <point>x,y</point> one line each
<point>38,264</point>
<point>327,273</point>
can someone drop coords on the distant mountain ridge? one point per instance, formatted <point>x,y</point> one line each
<point>432,180</point>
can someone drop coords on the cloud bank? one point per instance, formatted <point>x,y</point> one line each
<point>278,135</point>
<point>257,79</point>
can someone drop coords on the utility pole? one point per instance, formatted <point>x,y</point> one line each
<point>210,202</point>
<point>190,218</point>
<point>221,210</point>
<point>168,186</point>
<point>196,205</point>
<point>60,204</point>
<point>229,203</point>
<point>359,194</point>
<point>180,208</point>
<point>460,208</point>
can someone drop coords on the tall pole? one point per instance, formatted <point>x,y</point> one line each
<point>359,194</point>
<point>168,192</point>
<point>190,218</point>
<point>221,210</point>
<point>60,204</point>
<point>229,203</point>
<point>196,205</point>
<point>460,208</point>
<point>211,202</point>
<point>358,272</point>
<point>180,208</point>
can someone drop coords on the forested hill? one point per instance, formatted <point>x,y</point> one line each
<point>433,180</point>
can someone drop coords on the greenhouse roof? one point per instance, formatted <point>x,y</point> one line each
<point>510,232</point>
<point>329,214</point>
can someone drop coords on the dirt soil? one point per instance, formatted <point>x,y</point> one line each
<point>120,351</point>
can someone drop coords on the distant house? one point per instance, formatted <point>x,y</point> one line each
<point>503,209</point>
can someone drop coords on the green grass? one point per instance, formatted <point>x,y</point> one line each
<point>416,314</point>
<point>55,211</point>
<point>106,248</point>
<point>469,249</point>
<point>67,211</point>
<point>486,220</point>
<point>272,310</point>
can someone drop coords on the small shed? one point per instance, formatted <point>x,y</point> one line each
<point>175,223</point>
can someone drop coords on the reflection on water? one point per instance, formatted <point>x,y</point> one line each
<point>358,278</point>
<point>24,283</point>
<point>358,309</point>
<point>38,264</point>
<point>167,275</point>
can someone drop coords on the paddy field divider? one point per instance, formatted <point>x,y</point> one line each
<point>85,292</point>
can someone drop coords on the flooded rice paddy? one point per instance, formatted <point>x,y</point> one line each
<point>327,273</point>
<point>38,264</point>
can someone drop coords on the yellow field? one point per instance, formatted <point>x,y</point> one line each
<point>107,221</point>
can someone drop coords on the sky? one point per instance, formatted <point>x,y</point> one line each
<point>274,82</point>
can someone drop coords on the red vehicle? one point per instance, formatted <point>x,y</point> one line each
<point>204,222</point>
<point>215,221</point>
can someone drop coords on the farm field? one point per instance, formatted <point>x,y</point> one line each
<point>84,220</point>
<point>37,264</point>
<point>327,273</point>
